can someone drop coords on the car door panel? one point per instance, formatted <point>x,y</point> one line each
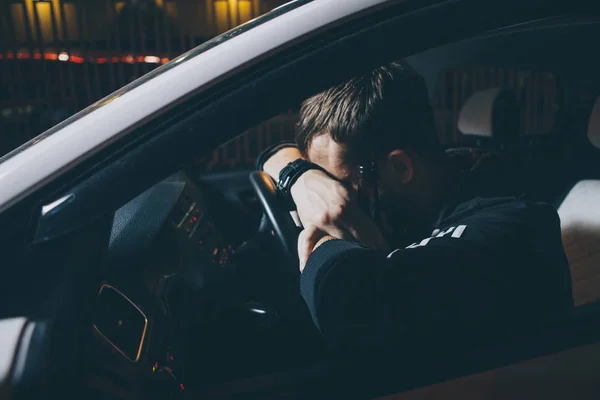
<point>567,374</point>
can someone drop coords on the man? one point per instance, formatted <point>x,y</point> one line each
<point>468,263</point>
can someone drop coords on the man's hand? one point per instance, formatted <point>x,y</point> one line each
<point>310,238</point>
<point>328,206</point>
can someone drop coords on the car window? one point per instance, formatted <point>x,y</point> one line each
<point>536,90</point>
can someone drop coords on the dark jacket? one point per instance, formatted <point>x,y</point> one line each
<point>491,266</point>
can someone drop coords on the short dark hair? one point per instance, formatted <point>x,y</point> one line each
<point>385,109</point>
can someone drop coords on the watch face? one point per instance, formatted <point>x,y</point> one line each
<point>288,176</point>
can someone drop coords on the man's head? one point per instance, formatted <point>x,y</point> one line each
<point>383,116</point>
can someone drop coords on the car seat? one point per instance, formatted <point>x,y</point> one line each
<point>580,217</point>
<point>491,119</point>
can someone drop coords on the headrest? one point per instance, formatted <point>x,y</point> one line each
<point>491,113</point>
<point>593,132</point>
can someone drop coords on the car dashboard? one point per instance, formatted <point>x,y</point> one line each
<point>170,253</point>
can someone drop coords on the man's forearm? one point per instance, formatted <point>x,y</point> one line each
<point>277,161</point>
<point>340,285</point>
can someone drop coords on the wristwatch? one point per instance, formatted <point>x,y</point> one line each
<point>289,175</point>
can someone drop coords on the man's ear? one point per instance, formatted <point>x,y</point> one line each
<point>402,165</point>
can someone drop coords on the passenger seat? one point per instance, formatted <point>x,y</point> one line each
<point>580,219</point>
<point>491,119</point>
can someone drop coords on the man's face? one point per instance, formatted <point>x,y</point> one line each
<point>337,161</point>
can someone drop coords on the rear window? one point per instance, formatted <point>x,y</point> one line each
<point>536,92</point>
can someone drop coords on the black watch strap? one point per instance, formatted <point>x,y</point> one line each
<point>289,175</point>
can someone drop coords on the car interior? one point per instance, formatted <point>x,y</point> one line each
<point>198,297</point>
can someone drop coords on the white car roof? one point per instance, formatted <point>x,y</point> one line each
<point>43,158</point>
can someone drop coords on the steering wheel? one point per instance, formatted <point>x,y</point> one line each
<point>293,307</point>
<point>281,221</point>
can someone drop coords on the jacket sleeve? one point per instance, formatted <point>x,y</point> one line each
<point>463,278</point>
